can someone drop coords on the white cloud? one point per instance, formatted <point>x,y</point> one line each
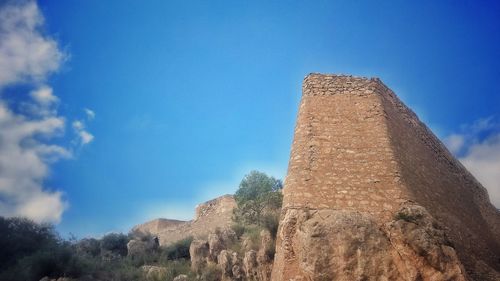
<point>26,54</point>
<point>483,161</point>
<point>458,143</point>
<point>78,125</point>
<point>44,96</point>
<point>90,113</point>
<point>83,136</point>
<point>86,137</point>
<point>477,146</point>
<point>455,142</point>
<point>25,164</point>
<point>27,149</point>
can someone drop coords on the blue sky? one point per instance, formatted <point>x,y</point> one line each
<point>188,96</point>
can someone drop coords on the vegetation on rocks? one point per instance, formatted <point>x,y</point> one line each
<point>246,251</point>
<point>259,200</point>
<point>32,251</point>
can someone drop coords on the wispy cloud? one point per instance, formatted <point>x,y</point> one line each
<point>27,149</point>
<point>82,135</point>
<point>470,134</point>
<point>90,113</point>
<point>477,146</point>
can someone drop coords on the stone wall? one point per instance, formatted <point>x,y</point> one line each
<point>358,148</point>
<point>341,153</point>
<point>210,215</point>
<point>437,181</point>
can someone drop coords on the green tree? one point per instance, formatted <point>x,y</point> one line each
<point>30,251</point>
<point>258,196</point>
<point>20,237</point>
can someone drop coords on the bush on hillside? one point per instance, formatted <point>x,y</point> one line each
<point>115,243</point>
<point>178,250</point>
<point>259,201</point>
<point>31,251</point>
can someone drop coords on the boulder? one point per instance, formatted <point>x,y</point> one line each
<point>142,247</point>
<point>230,266</point>
<point>199,252</point>
<point>250,265</point>
<point>220,240</point>
<point>181,277</point>
<point>266,247</point>
<point>153,272</point>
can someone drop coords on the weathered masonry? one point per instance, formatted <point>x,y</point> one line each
<point>358,148</point>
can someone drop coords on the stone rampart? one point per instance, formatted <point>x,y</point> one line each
<point>358,148</point>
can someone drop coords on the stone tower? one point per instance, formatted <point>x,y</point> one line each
<point>372,194</point>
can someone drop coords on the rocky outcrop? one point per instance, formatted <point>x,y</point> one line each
<point>230,265</point>
<point>220,240</point>
<point>199,253</point>
<point>350,245</point>
<point>244,264</point>
<point>211,215</point>
<point>251,265</point>
<point>142,247</point>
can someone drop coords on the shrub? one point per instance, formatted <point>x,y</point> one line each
<point>115,243</point>
<point>178,250</point>
<point>257,195</point>
<point>31,251</point>
<point>271,222</point>
<point>122,269</point>
<point>252,233</point>
<point>176,268</point>
<point>88,247</point>
<point>271,249</point>
<point>211,273</point>
<point>21,237</point>
<point>407,217</point>
<point>238,228</point>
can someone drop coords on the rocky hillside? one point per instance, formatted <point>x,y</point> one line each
<point>227,256</point>
<point>209,216</point>
<point>412,246</point>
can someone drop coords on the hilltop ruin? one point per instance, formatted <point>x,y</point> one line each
<point>372,194</point>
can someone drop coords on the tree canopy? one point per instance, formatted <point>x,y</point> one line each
<point>258,197</point>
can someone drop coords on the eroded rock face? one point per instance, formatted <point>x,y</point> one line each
<point>230,265</point>
<point>252,265</point>
<point>265,256</point>
<point>349,245</point>
<point>199,252</point>
<point>218,241</point>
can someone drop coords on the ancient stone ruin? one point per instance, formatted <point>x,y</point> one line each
<point>372,194</point>
<point>209,216</point>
